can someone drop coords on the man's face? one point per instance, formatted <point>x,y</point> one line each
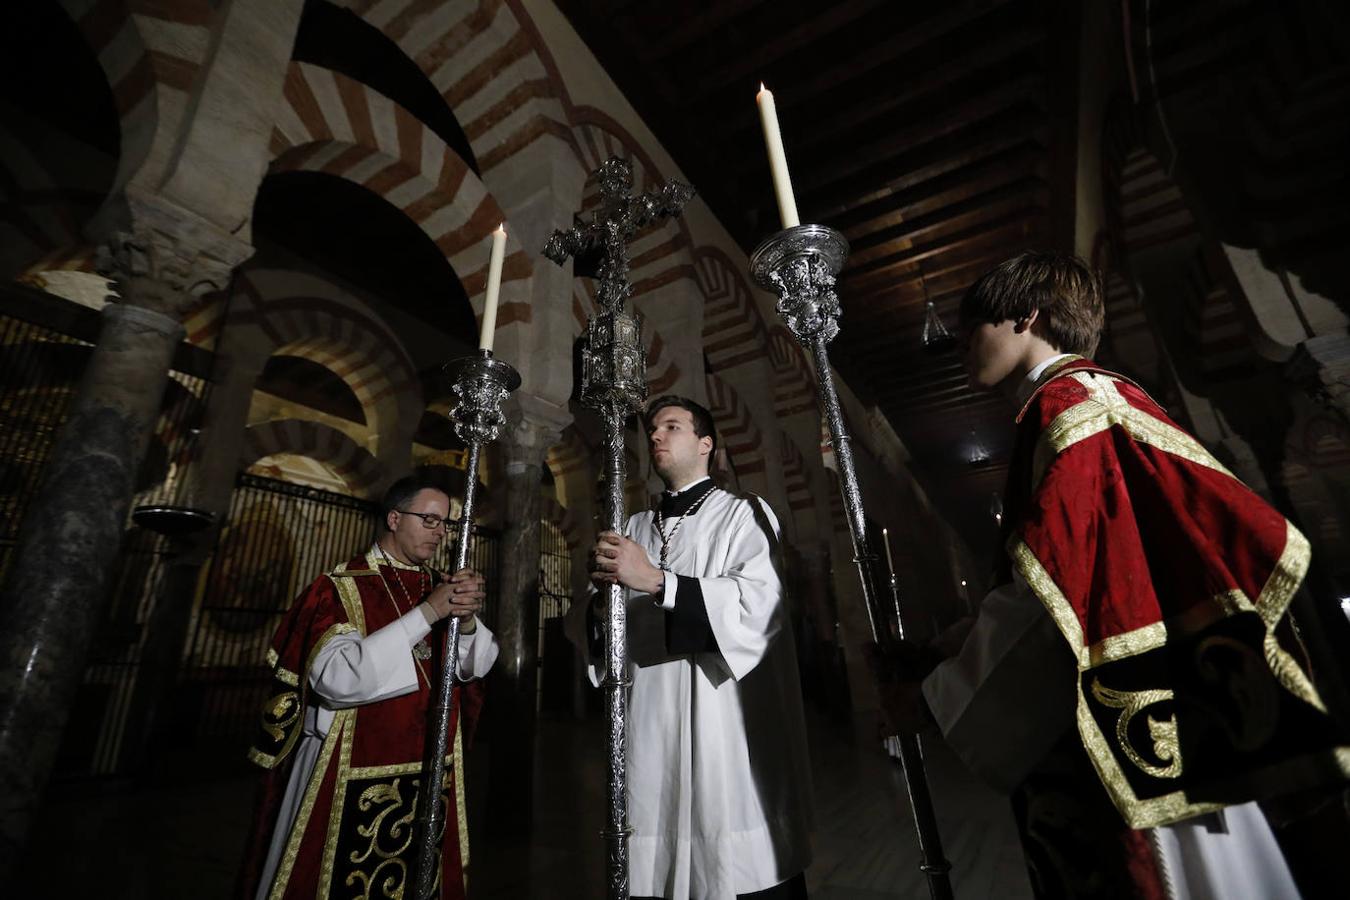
<point>678,453</point>
<point>416,542</point>
<point>991,352</point>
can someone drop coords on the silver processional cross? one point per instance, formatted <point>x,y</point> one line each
<point>614,382</point>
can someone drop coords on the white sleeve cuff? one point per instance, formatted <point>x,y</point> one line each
<point>666,599</point>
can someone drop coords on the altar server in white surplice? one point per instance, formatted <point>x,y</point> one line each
<point>718,778</point>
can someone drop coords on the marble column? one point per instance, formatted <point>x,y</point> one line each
<point>533,426</point>
<point>52,599</point>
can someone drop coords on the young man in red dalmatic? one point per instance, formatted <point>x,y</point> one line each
<point>1131,680</point>
<point>356,662</point>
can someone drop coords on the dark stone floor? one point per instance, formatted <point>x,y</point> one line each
<point>179,832</point>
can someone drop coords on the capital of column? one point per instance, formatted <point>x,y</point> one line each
<point>532,426</point>
<point>163,257</point>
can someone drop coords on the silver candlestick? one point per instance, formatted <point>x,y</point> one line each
<point>800,264</point>
<point>482,384</point>
<point>614,383</point>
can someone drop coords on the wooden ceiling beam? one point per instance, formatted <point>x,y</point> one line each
<point>825,198</point>
<point>974,228</point>
<point>821,82</point>
<point>908,129</point>
<point>916,149</point>
<point>751,64</point>
<point>680,25</point>
<point>990,205</point>
<point>946,191</point>
<point>1011,234</point>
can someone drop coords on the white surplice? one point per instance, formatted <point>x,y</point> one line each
<point>351,670</point>
<point>718,777</point>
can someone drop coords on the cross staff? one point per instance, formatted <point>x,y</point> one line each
<point>614,382</point>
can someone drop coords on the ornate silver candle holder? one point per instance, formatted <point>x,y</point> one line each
<point>799,264</point>
<point>614,383</point>
<point>482,384</point>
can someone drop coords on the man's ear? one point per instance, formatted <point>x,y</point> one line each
<point>1025,323</point>
<point>389,519</point>
<point>706,448</point>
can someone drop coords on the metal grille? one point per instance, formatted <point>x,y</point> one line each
<point>39,370</point>
<point>279,537</point>
<point>555,597</point>
<point>555,573</point>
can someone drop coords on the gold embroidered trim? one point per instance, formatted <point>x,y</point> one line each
<point>386,801</point>
<point>272,658</point>
<point>280,712</point>
<point>1103,408</point>
<point>460,807</point>
<point>1285,579</point>
<point>298,827</point>
<point>257,757</point>
<point>1166,747</point>
<point>286,676</point>
<point>373,561</point>
<point>408,768</point>
<point>351,603</point>
<point>1050,596</point>
<point>1138,813</point>
<point>339,801</point>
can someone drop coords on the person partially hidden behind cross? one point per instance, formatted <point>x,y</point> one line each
<point>718,776</point>
<point>355,663</point>
<point>1131,680</point>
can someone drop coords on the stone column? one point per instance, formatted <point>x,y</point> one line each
<point>52,600</point>
<point>533,426</point>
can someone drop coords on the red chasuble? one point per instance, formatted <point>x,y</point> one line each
<point>1169,579</point>
<point>353,833</point>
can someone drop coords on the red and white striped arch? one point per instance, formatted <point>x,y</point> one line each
<point>794,391</point>
<point>739,434</point>
<point>296,314</point>
<point>340,127</point>
<point>151,53</point>
<point>352,462</point>
<point>489,65</point>
<point>733,330</point>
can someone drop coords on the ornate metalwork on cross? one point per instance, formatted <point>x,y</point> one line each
<point>614,382</point>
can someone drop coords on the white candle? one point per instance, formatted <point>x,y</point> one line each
<point>494,286</point>
<point>890,563</point>
<point>773,139</point>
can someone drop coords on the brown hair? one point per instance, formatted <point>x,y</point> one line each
<point>704,426</point>
<point>1065,290</point>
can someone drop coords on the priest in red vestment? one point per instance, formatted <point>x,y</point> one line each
<point>355,664</point>
<point>1132,680</point>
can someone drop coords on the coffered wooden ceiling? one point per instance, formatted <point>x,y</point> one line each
<point>932,134</point>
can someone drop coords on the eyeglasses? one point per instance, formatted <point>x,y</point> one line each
<point>430,521</point>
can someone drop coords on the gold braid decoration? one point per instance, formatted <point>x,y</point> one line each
<point>1165,744</point>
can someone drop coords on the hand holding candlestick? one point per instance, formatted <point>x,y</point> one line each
<point>482,384</point>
